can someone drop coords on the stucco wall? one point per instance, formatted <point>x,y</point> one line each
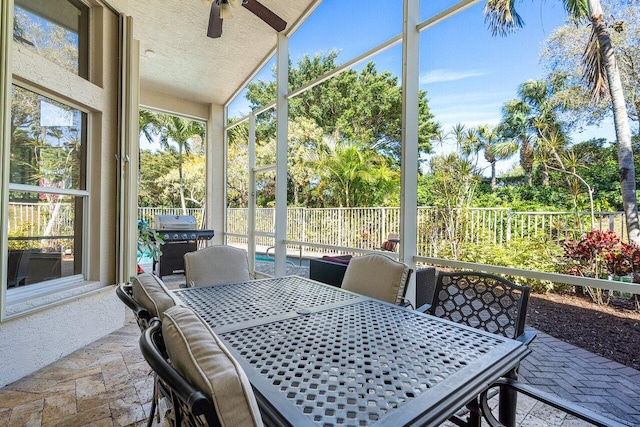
<point>34,341</point>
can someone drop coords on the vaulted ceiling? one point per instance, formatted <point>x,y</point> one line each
<point>178,59</point>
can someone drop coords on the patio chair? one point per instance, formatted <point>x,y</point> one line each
<point>124,291</point>
<point>149,298</point>
<point>483,301</point>
<point>216,265</point>
<point>377,276</point>
<point>206,384</point>
<point>391,244</point>
<point>549,399</point>
<point>17,265</point>
<point>188,406</point>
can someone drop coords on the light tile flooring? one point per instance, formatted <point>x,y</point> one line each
<point>108,383</point>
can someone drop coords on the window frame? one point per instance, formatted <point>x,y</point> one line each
<point>25,300</point>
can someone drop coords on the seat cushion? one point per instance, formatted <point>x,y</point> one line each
<point>199,355</point>
<point>216,265</point>
<point>376,276</point>
<point>150,292</point>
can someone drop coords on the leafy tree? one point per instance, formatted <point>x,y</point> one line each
<point>603,76</point>
<point>352,174</point>
<point>365,106</point>
<point>194,185</point>
<point>528,121</point>
<point>454,184</point>
<point>183,133</point>
<point>238,166</point>
<point>563,56</point>
<point>154,166</point>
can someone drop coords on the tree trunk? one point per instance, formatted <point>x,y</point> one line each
<point>621,123</point>
<point>494,181</point>
<point>545,175</point>
<point>526,160</point>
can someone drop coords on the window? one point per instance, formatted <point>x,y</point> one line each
<point>47,189</point>
<point>56,30</point>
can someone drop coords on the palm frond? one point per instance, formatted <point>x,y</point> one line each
<point>577,9</point>
<point>502,17</point>
<point>594,69</point>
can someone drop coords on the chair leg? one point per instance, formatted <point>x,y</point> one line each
<point>508,401</point>
<point>154,401</point>
<point>474,419</point>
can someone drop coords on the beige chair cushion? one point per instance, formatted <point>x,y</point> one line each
<point>151,293</point>
<point>215,265</point>
<point>199,355</point>
<point>376,276</point>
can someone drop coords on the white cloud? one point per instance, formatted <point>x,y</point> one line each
<point>445,75</point>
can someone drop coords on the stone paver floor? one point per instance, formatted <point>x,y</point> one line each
<point>108,383</point>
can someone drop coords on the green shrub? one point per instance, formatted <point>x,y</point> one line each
<point>539,254</point>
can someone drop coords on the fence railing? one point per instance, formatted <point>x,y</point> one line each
<point>367,228</point>
<point>363,228</point>
<point>148,213</point>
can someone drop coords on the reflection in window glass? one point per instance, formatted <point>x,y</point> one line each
<point>56,30</point>
<point>47,147</point>
<point>44,237</point>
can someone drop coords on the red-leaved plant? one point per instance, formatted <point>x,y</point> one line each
<point>601,254</point>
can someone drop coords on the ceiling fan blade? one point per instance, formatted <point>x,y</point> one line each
<point>215,22</point>
<point>265,14</point>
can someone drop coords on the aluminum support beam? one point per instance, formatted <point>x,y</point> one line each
<point>282,119</point>
<point>409,162</point>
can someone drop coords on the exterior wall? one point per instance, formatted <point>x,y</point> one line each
<point>42,327</point>
<point>170,104</point>
<point>31,342</point>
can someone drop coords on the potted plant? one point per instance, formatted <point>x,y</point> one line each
<point>149,242</point>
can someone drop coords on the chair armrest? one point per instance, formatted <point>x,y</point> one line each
<point>424,309</point>
<point>527,337</point>
<point>549,399</point>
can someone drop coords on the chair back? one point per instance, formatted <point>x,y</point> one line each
<point>216,265</point>
<point>149,291</point>
<point>377,276</point>
<point>124,291</point>
<point>481,300</point>
<point>190,406</point>
<point>203,360</point>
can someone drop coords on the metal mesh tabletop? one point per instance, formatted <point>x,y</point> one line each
<point>357,364</point>
<point>318,355</point>
<point>223,306</point>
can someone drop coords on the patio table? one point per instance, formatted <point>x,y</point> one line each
<point>319,355</point>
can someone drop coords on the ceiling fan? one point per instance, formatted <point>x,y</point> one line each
<point>221,10</point>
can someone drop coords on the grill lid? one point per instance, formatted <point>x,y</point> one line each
<point>175,222</point>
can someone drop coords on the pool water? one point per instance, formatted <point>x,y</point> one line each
<point>290,260</point>
<point>146,259</point>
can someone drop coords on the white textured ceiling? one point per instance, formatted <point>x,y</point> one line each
<point>187,64</point>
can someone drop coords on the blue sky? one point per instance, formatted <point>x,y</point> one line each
<point>467,73</point>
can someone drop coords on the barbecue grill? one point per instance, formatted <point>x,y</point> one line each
<point>180,235</point>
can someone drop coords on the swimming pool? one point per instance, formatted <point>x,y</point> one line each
<point>146,259</point>
<point>290,260</point>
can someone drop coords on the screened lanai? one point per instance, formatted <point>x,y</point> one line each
<point>440,76</point>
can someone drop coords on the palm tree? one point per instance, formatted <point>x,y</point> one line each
<point>147,124</point>
<point>530,119</point>
<point>355,172</point>
<point>489,137</point>
<point>181,131</point>
<point>601,71</point>
<point>515,131</point>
